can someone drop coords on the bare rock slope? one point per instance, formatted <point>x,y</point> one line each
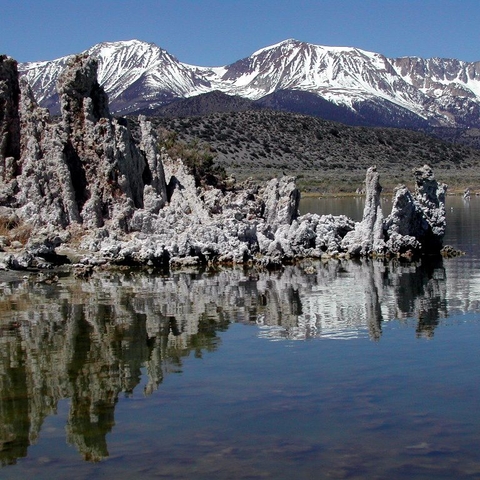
<point>86,185</point>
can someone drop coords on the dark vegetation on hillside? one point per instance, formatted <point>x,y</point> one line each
<point>462,136</point>
<point>205,104</point>
<point>325,156</point>
<point>376,113</point>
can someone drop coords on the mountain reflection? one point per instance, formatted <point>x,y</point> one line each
<point>89,341</point>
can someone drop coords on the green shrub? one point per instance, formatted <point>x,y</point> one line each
<point>198,156</point>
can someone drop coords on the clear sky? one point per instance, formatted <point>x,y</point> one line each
<point>219,32</point>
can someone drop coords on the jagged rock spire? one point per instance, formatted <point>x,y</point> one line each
<point>418,220</point>
<point>368,236</point>
<point>9,117</point>
<point>87,168</point>
<point>80,92</point>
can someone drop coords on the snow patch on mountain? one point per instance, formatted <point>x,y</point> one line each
<point>139,75</point>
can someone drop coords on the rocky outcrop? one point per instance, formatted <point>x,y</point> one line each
<point>368,236</point>
<point>417,221</point>
<point>9,117</point>
<point>86,185</point>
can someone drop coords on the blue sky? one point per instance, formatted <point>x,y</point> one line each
<point>216,32</point>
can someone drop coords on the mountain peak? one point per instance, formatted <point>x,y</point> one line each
<point>140,76</point>
<point>108,48</point>
<point>123,43</point>
<point>287,44</point>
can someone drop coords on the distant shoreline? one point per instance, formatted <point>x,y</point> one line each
<point>453,193</point>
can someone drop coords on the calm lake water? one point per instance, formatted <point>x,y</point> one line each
<point>359,370</point>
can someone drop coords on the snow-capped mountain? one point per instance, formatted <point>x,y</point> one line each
<point>134,74</point>
<point>140,77</point>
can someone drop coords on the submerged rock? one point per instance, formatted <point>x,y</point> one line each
<point>85,184</point>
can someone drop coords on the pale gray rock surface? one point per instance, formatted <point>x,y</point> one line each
<point>9,116</point>
<point>85,185</point>
<point>367,237</point>
<point>281,198</point>
<point>431,198</point>
<point>417,221</point>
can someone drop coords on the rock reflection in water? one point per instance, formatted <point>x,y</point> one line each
<point>351,298</point>
<point>89,340</point>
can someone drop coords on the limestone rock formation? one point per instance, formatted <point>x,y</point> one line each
<point>417,221</point>
<point>9,117</point>
<point>85,184</point>
<point>367,237</point>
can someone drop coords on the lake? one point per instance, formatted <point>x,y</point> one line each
<point>338,369</point>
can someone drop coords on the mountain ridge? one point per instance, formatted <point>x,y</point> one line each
<point>140,77</point>
<point>324,156</point>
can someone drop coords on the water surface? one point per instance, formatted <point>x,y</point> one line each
<point>339,369</point>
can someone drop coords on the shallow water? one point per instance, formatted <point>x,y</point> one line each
<point>364,370</point>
